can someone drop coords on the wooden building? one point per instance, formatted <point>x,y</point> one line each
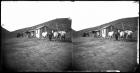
<point>40,30</point>
<point>105,30</point>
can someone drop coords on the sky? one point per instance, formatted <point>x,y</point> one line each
<point>84,14</point>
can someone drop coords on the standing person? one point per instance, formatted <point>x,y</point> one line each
<point>116,34</point>
<point>50,34</point>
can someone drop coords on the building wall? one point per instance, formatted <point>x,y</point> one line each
<point>103,32</point>
<point>37,33</point>
<point>106,30</point>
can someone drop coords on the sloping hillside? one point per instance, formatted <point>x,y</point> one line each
<point>5,33</point>
<point>124,24</point>
<point>55,24</point>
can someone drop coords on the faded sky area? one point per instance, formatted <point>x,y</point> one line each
<point>20,14</point>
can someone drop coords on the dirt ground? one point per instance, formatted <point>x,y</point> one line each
<point>34,55</point>
<point>99,55</point>
<point>83,54</point>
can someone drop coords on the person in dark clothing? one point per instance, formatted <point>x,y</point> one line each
<point>50,34</point>
<point>116,34</point>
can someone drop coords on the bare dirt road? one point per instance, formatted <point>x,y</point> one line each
<point>34,55</point>
<point>99,55</point>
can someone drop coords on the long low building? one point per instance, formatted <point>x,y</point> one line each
<point>40,30</point>
<point>102,32</point>
<point>59,24</point>
<point>121,24</point>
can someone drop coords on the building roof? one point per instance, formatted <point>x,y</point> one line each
<point>39,27</point>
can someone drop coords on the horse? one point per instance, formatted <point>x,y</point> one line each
<point>122,35</point>
<point>44,34</point>
<point>110,34</point>
<point>128,34</point>
<point>62,34</point>
<point>55,35</point>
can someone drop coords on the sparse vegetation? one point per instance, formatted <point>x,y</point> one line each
<point>33,55</point>
<point>99,55</point>
<point>83,53</point>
